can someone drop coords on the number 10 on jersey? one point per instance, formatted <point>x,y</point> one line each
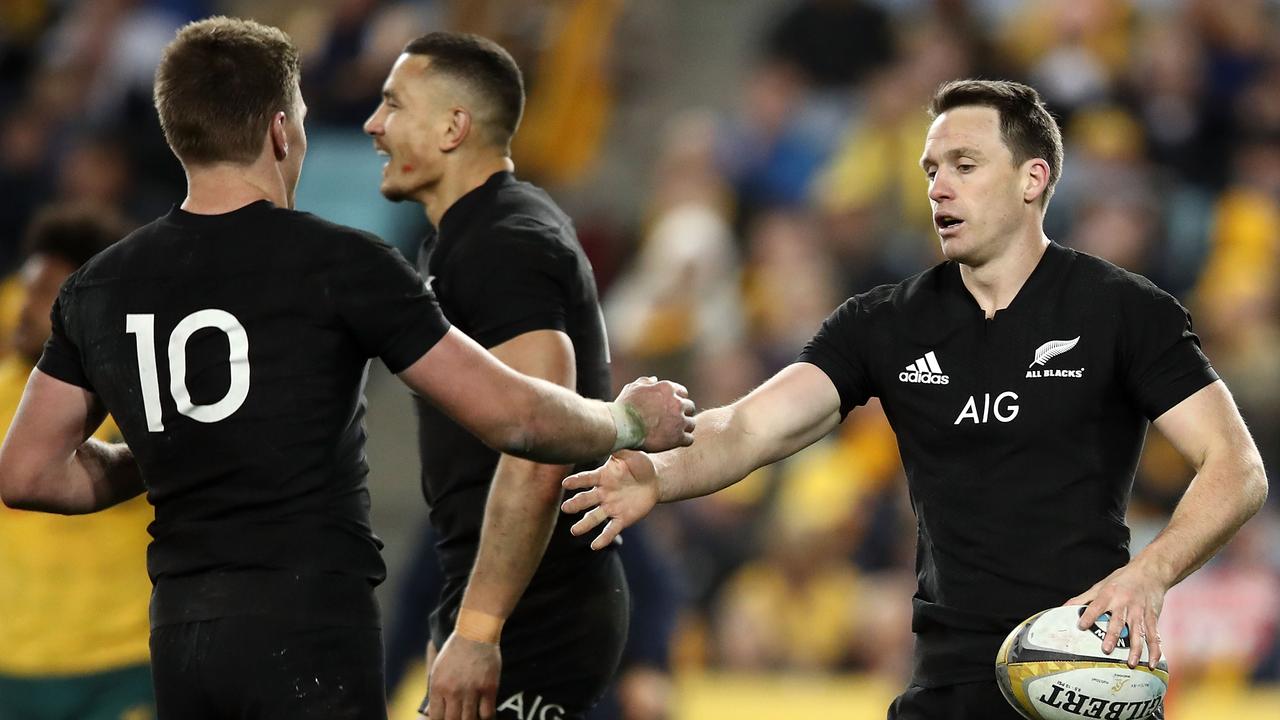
<point>143,328</point>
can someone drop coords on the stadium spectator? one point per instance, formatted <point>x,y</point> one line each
<point>73,616</point>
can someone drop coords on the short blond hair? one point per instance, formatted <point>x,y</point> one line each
<point>219,83</point>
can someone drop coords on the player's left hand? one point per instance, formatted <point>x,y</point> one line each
<point>1134,595</point>
<point>463,684</point>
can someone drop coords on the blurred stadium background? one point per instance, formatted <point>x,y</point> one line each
<point>735,169</point>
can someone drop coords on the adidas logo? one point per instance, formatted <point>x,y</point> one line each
<point>925,371</point>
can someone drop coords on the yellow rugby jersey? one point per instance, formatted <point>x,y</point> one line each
<point>73,590</point>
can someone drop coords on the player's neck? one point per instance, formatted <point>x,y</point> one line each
<point>223,188</point>
<point>995,283</point>
<point>466,175</point>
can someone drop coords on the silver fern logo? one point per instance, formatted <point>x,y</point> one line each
<point>1049,351</point>
<point>1052,349</point>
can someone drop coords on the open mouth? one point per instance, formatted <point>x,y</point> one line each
<point>945,222</point>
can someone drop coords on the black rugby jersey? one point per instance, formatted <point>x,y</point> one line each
<point>506,261</point>
<point>232,351</point>
<point>1019,434</point>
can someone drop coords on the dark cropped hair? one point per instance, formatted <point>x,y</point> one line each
<point>73,232</point>
<point>485,67</point>
<point>219,83</point>
<point>1026,127</point>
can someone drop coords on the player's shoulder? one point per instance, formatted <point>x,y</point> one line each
<point>880,307</point>
<point>520,197</point>
<point>1111,285</point>
<point>525,226</point>
<point>301,238</point>
<point>908,301</point>
<point>527,214</point>
<point>307,244</point>
<point>326,239</point>
<point>521,239</point>
<point>107,263</point>
<point>915,295</point>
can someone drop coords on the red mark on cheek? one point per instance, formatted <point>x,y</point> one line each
<point>406,168</point>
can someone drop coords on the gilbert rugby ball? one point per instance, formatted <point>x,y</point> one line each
<point>1049,669</point>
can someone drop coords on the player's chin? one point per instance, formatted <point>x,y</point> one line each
<point>957,250</point>
<point>393,192</point>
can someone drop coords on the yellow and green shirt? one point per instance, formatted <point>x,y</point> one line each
<point>73,590</point>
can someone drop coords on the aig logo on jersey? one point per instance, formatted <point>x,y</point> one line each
<point>1049,351</point>
<point>1003,408</point>
<point>537,708</point>
<point>925,371</point>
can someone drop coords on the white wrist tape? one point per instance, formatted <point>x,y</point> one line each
<point>629,427</point>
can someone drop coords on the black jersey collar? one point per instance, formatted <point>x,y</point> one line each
<point>178,215</point>
<point>1052,262</point>
<point>463,210</point>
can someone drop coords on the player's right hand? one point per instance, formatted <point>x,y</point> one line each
<point>622,491</point>
<point>463,681</point>
<point>665,409</point>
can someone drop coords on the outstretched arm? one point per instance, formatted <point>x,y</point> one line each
<point>48,461</point>
<point>1229,487</point>
<point>542,421</point>
<point>790,411</point>
<point>518,520</point>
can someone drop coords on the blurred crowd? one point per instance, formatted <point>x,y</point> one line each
<point>755,218</point>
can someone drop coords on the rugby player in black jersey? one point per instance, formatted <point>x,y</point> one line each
<point>1019,377</point>
<point>507,268</point>
<point>230,340</point>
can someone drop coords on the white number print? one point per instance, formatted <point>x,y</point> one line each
<point>142,327</point>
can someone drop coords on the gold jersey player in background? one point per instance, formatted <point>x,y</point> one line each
<point>73,590</point>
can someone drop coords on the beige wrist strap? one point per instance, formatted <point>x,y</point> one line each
<point>478,626</point>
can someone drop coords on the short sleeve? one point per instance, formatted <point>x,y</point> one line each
<point>1161,357</point>
<point>517,282</point>
<point>61,358</point>
<point>837,349</point>
<point>386,305</point>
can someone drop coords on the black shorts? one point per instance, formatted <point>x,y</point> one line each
<point>293,648</point>
<point>252,667</point>
<point>561,646</point>
<point>967,701</point>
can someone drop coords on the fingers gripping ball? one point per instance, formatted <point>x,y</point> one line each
<point>1049,669</point>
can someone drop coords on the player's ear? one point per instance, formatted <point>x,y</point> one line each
<point>1035,179</point>
<point>279,139</point>
<point>458,129</point>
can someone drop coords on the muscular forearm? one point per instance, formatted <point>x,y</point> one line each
<point>530,417</point>
<point>556,425</point>
<point>1225,493</point>
<point>519,517</point>
<point>539,420</point>
<point>95,477</point>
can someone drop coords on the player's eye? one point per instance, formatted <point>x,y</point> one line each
<point>966,167</point>
<point>931,174</point>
